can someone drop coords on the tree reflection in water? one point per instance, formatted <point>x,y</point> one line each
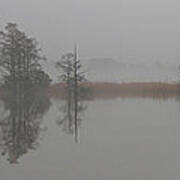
<point>68,122</point>
<point>21,124</point>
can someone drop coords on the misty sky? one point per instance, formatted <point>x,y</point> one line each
<point>133,29</point>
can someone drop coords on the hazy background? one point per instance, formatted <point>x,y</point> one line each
<point>125,30</point>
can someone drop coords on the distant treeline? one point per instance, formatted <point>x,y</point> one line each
<point>104,90</point>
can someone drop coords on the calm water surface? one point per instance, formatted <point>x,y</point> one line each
<point>128,139</point>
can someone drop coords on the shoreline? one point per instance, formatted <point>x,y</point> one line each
<point>107,90</point>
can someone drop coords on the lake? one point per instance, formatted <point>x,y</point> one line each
<point>128,139</point>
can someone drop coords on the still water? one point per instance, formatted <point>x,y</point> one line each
<point>128,139</point>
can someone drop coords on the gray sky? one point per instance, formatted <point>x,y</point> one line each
<point>136,29</point>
